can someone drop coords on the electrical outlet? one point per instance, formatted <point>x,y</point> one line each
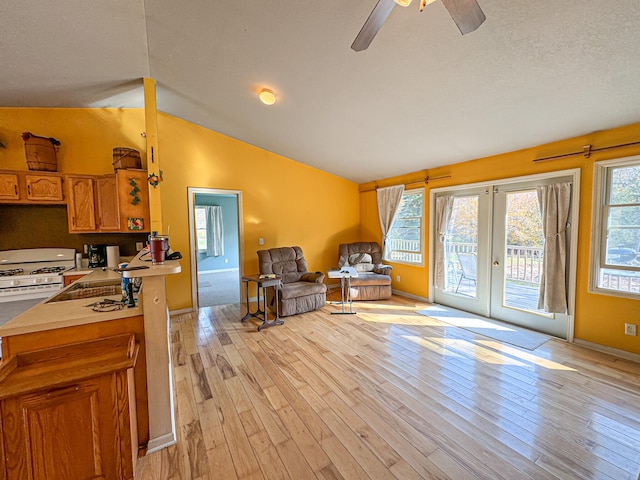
<point>261,241</point>
<point>226,260</point>
<point>397,278</point>
<point>630,329</point>
<point>139,246</point>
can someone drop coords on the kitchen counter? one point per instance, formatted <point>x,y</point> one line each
<point>85,270</point>
<point>51,322</point>
<point>47,316</point>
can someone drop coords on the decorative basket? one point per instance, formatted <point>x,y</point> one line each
<point>40,152</point>
<point>124,158</point>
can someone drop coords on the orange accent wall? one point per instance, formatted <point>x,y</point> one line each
<point>288,203</point>
<point>87,135</point>
<point>284,202</point>
<point>599,318</point>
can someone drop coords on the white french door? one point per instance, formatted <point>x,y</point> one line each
<point>493,255</point>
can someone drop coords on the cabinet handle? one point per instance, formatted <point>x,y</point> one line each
<point>62,390</point>
<point>73,221</point>
<point>15,189</point>
<point>29,189</point>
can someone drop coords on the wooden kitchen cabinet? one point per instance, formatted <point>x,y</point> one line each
<point>133,206</point>
<point>69,411</point>
<point>24,187</point>
<point>69,279</point>
<point>81,208</point>
<point>15,345</point>
<point>44,187</point>
<point>108,203</point>
<point>107,212</point>
<point>9,186</point>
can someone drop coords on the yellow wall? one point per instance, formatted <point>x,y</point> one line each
<point>284,202</point>
<point>288,203</point>
<point>87,136</point>
<point>598,318</point>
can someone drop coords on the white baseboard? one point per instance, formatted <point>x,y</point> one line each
<point>634,357</point>
<point>409,295</point>
<point>161,442</point>
<point>181,311</point>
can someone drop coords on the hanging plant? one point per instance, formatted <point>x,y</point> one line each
<point>134,191</point>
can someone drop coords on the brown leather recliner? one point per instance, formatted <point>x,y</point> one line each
<point>374,279</point>
<point>301,291</point>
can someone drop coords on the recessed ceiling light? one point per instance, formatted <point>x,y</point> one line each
<point>267,96</point>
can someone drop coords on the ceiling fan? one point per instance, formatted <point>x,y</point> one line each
<point>466,13</point>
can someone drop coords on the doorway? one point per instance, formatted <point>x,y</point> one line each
<point>493,252</point>
<point>215,226</point>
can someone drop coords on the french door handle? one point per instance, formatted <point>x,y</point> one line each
<point>496,263</point>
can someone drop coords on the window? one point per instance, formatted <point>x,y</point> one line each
<point>616,246</point>
<point>405,237</point>
<point>201,228</point>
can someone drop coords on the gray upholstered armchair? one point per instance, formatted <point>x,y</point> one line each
<point>301,291</point>
<point>374,279</point>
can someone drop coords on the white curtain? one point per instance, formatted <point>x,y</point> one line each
<point>444,207</point>
<point>554,201</point>
<point>215,232</point>
<point>389,199</point>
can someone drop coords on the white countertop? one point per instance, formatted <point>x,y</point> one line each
<point>85,270</point>
<point>69,313</point>
<point>143,258</point>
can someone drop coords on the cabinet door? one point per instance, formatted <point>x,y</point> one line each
<point>70,432</point>
<point>44,187</point>
<point>108,212</point>
<point>69,279</point>
<point>9,186</point>
<point>81,204</point>
<point>133,196</point>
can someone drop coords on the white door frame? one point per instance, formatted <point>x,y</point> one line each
<point>573,254</point>
<point>193,248</point>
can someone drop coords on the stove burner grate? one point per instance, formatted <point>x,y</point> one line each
<point>11,272</point>
<point>47,270</point>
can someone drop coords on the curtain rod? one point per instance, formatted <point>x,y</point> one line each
<point>425,180</point>
<point>587,150</point>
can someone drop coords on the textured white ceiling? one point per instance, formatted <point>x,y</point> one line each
<point>421,95</point>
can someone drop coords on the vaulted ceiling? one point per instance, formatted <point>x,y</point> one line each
<point>420,96</point>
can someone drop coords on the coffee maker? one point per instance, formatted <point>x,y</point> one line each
<point>97,256</point>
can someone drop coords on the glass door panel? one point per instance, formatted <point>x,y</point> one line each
<point>465,283</point>
<point>461,247</point>
<point>524,249</point>
<point>517,261</point>
<point>494,254</point>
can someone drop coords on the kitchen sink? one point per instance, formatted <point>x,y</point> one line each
<point>79,290</point>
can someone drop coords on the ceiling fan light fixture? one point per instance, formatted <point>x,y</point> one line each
<point>268,97</point>
<point>424,3</point>
<point>403,3</point>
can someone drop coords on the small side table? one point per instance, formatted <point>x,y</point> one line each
<point>262,313</point>
<point>348,273</point>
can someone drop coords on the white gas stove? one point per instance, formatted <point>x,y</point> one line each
<point>33,273</point>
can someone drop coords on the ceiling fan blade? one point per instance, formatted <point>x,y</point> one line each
<point>466,13</point>
<point>370,28</point>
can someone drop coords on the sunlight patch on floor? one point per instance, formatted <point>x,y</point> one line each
<point>440,350</point>
<point>529,357</point>
<point>396,320</point>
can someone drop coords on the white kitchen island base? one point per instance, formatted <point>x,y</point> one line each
<point>162,429</point>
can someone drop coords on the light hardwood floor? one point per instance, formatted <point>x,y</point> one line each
<point>388,393</point>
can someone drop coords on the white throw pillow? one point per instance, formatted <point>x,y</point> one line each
<point>357,258</point>
<point>364,267</point>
